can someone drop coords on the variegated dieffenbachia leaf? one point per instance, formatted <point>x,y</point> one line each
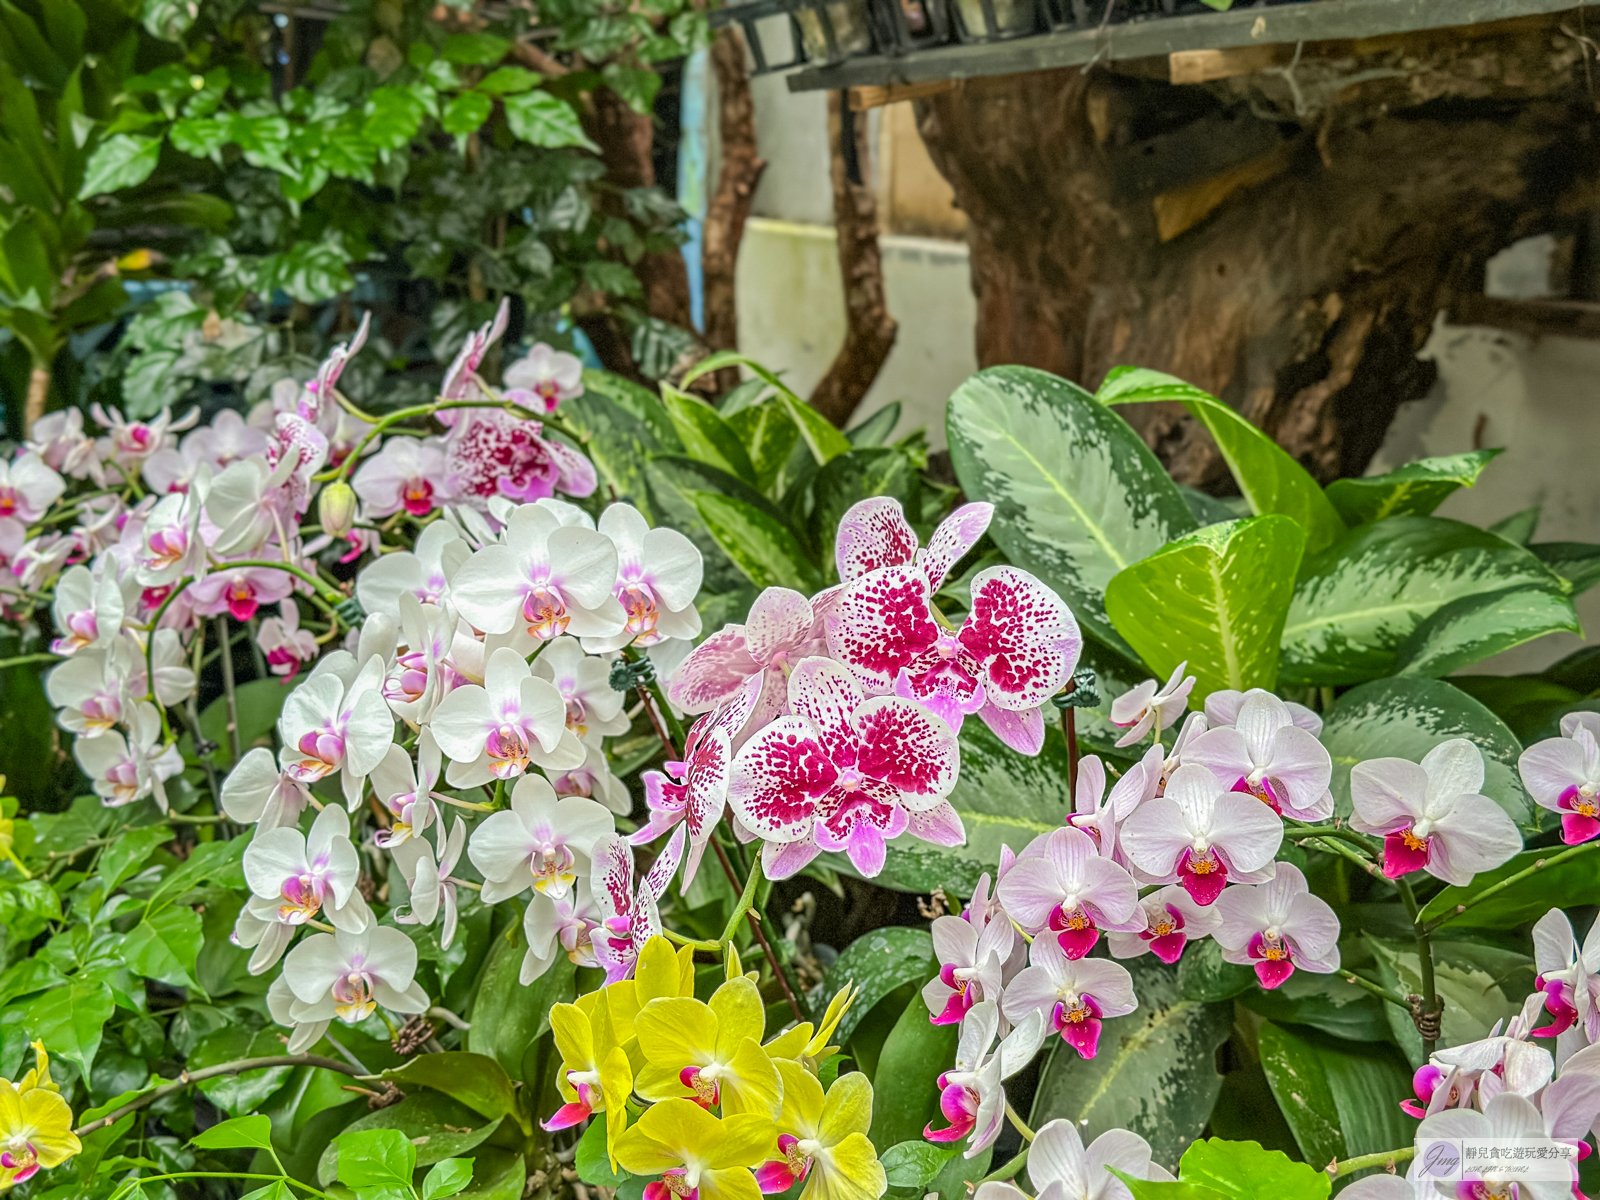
<point>1216,599</point>
<point>1405,718</point>
<point>1077,494</point>
<point>1413,490</point>
<point>1472,628</point>
<point>1358,601</point>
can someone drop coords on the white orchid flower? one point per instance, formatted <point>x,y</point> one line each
<point>594,708</point>
<point>1202,836</point>
<point>328,727</point>
<point>430,880</point>
<point>348,975</point>
<point>499,730</point>
<point>259,792</point>
<point>1147,707</point>
<point>658,577</point>
<point>123,770</point>
<point>542,841</point>
<point>28,487</point>
<point>88,609</point>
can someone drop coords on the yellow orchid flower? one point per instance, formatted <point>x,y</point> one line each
<point>710,1053</point>
<point>35,1132</point>
<point>595,1074</point>
<point>823,1139</point>
<point>39,1077</point>
<point>807,1044</point>
<point>8,840</point>
<point>661,971</point>
<point>694,1155</point>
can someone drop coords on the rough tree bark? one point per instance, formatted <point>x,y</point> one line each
<point>870,330</point>
<point>1317,217</point>
<point>729,209</point>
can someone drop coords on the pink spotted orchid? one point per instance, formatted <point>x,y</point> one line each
<point>329,727</point>
<point>1075,995</point>
<point>1068,891</point>
<point>293,879</point>
<point>972,1094</point>
<point>492,454</point>
<point>844,773</point>
<point>500,729</point>
<point>1265,755</point>
<point>1202,836</point>
<point>542,841</point>
<point>628,914</point>
<point>1172,920</point>
<point>461,378</point>
<point>1562,774</point>
<point>1277,927</point>
<point>1432,816</point>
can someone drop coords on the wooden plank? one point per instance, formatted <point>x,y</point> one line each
<point>1535,318</point>
<point>863,98</point>
<point>1286,23</point>
<point>1200,66</point>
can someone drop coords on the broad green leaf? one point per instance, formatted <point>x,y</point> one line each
<point>1472,628</point>
<point>393,117</point>
<point>219,862</point>
<point>673,480</point>
<point>1270,480</point>
<point>1155,1072</point>
<point>127,854</point>
<point>1325,1002</point>
<point>1208,510</point>
<point>1078,496</point>
<point>1576,562</point>
<point>380,1158</point>
<point>593,1162</point>
<point>1413,490</point>
<point>706,436</point>
<point>914,1164</point>
<point>875,429</point>
<point>476,1080</point>
<point>200,136</point>
<point>241,1133</point>
<point>1405,718</point>
<point>475,49</point>
<point>618,443</point>
<point>760,545</point>
<point>1338,1097</point>
<point>635,399</point>
<point>1004,799</point>
<point>1203,974</point>
<point>500,1175</point>
<point>1519,527</point>
<point>1358,601</point>
<point>506,81</point>
<point>244,1093</point>
<point>636,85</point>
<point>466,112</point>
<point>123,160</point>
<point>437,1126</point>
<point>164,946</point>
<point>1566,884</point>
<point>506,1016</point>
<point>905,1094</point>
<point>446,1178</point>
<point>1246,1171</point>
<point>541,119</point>
<point>1479,985</point>
<point>769,435</point>
<point>1161,1189</point>
<point>1216,598</point>
<point>69,1020</point>
<point>877,963</point>
<point>1530,705</point>
<point>821,438</point>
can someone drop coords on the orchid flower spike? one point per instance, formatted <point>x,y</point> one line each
<point>971,966</point>
<point>327,726</point>
<point>1201,836</point>
<point>296,877</point>
<point>430,880</point>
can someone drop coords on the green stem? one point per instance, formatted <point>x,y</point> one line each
<point>677,939</point>
<point>1430,995</point>
<point>1384,1158</point>
<point>744,905</point>
<point>1495,889</point>
<point>1343,851</point>
<point>194,818</point>
<point>344,469</point>
<point>25,659</point>
<point>1299,829</point>
<point>1022,1128</point>
<point>1378,990</point>
<point>322,595</point>
<point>225,652</point>
<point>1011,1169</point>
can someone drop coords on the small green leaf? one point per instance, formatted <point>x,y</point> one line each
<point>1519,527</point>
<point>913,1164</point>
<point>448,1177</point>
<point>240,1133</point>
<point>1246,1171</point>
<point>768,434</point>
<point>821,437</point>
<point>1216,598</point>
<point>476,1080</point>
<point>759,545</point>
<point>706,436</point>
<point>475,49</point>
<point>123,160</point>
<point>69,1020</point>
<point>466,112</point>
<point>244,1093</point>
<point>507,1017</point>
<point>593,1162</point>
<point>636,85</point>
<point>376,1158</point>
<point>1413,490</point>
<point>1161,1189</point>
<point>543,120</point>
<point>128,852</point>
<point>1576,562</point>
<point>164,945</point>
<point>905,1094</point>
<point>507,81</point>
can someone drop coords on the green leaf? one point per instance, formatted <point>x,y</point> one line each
<point>164,946</point>
<point>636,400</point>
<point>636,85</point>
<point>768,435</point>
<point>1519,527</point>
<point>475,49</point>
<point>1338,1097</point>
<point>466,112</point>
<point>70,1020</point>
<point>1413,490</point>
<point>905,1094</point>
<point>1472,628</point>
<point>1576,562</point>
<point>874,430</point>
<point>506,81</point>
<point>244,1093</point>
<point>1564,885</point>
<point>446,1178</point>
<point>1530,705</point>
<point>706,436</point>
<point>540,118</point>
<point>240,1133</point>
<point>506,1017</point>
<point>914,1164</point>
<point>1324,1002</point>
<point>129,851</point>
<point>1358,601</point>
<point>123,160</point>
<point>497,1175</point>
<point>476,1080</point>
<point>819,434</point>
<point>1405,718</point>
<point>1270,480</point>
<point>1203,974</point>
<point>393,117</point>
<point>760,545</point>
<point>593,1162</point>
<point>1217,598</point>
<point>258,704</point>
<point>434,1124</point>
<point>878,963</point>
<point>1155,1073</point>
<point>200,136</point>
<point>1479,984</point>
<point>1078,496</point>
<point>1160,1189</point>
<point>382,1158</point>
<point>673,481</point>
<point>1245,1170</point>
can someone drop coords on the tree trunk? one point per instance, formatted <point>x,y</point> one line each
<point>730,205</point>
<point>870,330</point>
<point>1283,239</point>
<point>38,396</point>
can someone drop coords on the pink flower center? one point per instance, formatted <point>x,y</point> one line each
<point>553,863</point>
<point>1263,790</point>
<point>352,994</point>
<point>545,611</point>
<point>673,1183</point>
<point>508,751</point>
<point>20,1158</point>
<point>124,781</point>
<point>849,779</point>
<point>168,545</point>
<point>324,754</point>
<point>1075,930</point>
<point>102,711</point>
<point>302,897</point>
<point>82,628</point>
<point>8,501</point>
<point>1404,851</point>
<point>417,497</point>
<point>1078,1023</point>
<point>242,602</point>
<point>706,1092</point>
<point>1274,959</point>
<point>640,604</point>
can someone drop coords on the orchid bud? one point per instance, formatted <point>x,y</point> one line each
<point>336,509</point>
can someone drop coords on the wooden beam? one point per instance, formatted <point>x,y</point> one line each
<point>863,98</point>
<point>1286,24</point>
<point>1535,318</point>
<point>1200,66</point>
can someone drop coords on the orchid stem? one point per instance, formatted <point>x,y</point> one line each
<point>1430,997</point>
<point>25,659</point>
<point>1011,1169</point>
<point>1021,1126</point>
<point>677,939</point>
<point>1377,989</point>
<point>225,652</point>
<point>743,907</point>
<point>1509,881</point>
<point>221,1069</point>
<point>755,926</point>
<point>1388,1159</point>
